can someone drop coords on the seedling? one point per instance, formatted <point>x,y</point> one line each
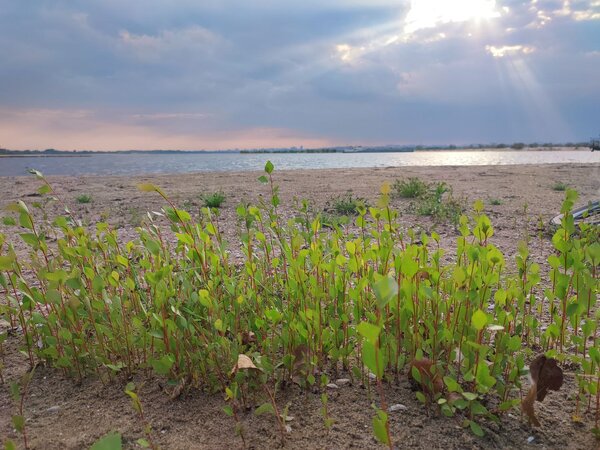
<point>347,205</point>
<point>84,198</point>
<point>302,298</point>
<point>559,186</point>
<point>214,200</point>
<point>411,188</point>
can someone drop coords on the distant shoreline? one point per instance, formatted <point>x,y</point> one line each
<point>37,155</point>
<point>89,153</point>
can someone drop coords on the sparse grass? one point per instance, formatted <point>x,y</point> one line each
<point>559,186</point>
<point>437,202</point>
<point>411,188</point>
<point>495,201</point>
<point>84,198</point>
<point>214,200</point>
<point>347,205</point>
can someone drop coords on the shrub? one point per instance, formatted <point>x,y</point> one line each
<point>347,205</point>
<point>559,186</point>
<point>84,198</point>
<point>410,188</point>
<point>214,200</point>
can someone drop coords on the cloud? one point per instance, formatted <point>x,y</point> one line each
<point>505,50</point>
<point>359,71</point>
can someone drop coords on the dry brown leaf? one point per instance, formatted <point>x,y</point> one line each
<point>431,379</point>
<point>546,376</point>
<point>243,362</point>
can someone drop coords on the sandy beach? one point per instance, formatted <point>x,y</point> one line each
<point>524,195</point>
<point>524,201</point>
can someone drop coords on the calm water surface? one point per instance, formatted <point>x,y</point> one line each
<point>135,164</point>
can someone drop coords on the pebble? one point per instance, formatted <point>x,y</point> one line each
<point>530,439</point>
<point>53,409</point>
<point>332,386</point>
<point>343,381</point>
<point>372,376</point>
<point>397,407</point>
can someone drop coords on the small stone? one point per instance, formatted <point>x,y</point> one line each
<point>530,439</point>
<point>53,409</point>
<point>332,386</point>
<point>397,407</point>
<point>372,376</point>
<point>343,381</point>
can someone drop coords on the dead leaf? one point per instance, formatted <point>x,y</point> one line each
<point>243,362</point>
<point>546,376</point>
<point>431,379</point>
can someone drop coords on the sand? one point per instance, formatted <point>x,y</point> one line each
<point>64,415</point>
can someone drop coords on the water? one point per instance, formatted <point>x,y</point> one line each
<point>136,164</point>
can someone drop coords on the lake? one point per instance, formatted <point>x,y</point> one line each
<point>136,164</point>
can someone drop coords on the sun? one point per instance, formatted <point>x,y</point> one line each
<point>430,13</point>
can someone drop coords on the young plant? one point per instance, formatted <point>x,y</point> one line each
<point>138,408</point>
<point>214,200</point>
<point>84,198</point>
<point>19,393</point>
<point>347,205</point>
<point>410,188</point>
<point>559,186</point>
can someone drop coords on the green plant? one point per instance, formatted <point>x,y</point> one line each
<point>327,420</point>
<point>495,201</point>
<point>18,392</point>
<point>559,186</point>
<point>347,205</point>
<point>440,204</point>
<point>214,200</point>
<point>410,188</point>
<point>84,198</point>
<point>138,408</point>
<point>110,441</point>
<point>366,297</point>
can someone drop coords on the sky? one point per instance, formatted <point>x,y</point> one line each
<point>207,74</point>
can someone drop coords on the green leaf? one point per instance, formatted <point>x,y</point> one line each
<point>263,179</point>
<point>110,441</point>
<point>374,364</point>
<point>369,331</point>
<point>25,221</point>
<point>6,262</point>
<point>385,289</point>
<point>10,445</point>
<point>8,221</point>
<point>44,189</point>
<point>228,410</point>
<point>97,284</point>
<point>379,427</point>
<point>451,384</point>
<point>264,408</point>
<point>143,443</point>
<point>269,167</point>
<point>147,187</point>
<point>18,423</point>
<point>479,320</point>
<point>476,429</point>
<point>163,365</point>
